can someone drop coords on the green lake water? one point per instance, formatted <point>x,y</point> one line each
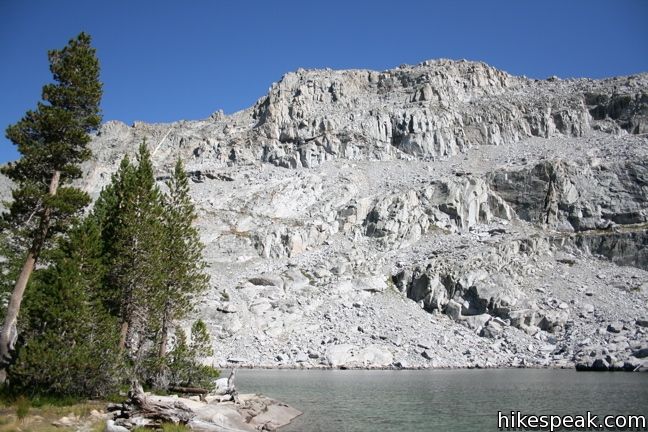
<point>441,400</point>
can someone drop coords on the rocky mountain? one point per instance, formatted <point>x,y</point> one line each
<point>446,214</point>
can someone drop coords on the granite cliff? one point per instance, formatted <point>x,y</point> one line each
<point>446,214</point>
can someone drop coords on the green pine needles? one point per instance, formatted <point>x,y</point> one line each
<point>186,277</point>
<point>182,365</point>
<point>105,304</point>
<point>53,141</point>
<point>70,339</point>
<point>130,214</point>
<point>143,232</point>
<point>107,308</point>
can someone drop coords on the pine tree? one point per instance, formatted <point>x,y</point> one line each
<point>107,214</point>
<point>154,270</point>
<point>186,277</point>
<point>53,142</point>
<point>129,212</point>
<point>69,339</point>
<point>183,362</point>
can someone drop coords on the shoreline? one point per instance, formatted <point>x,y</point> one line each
<point>574,366</point>
<point>386,368</point>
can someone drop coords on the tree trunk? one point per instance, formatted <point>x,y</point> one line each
<point>165,333</point>
<point>151,410</point>
<point>122,336</point>
<point>9,329</point>
<point>163,341</point>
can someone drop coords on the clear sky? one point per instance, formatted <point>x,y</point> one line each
<point>170,60</point>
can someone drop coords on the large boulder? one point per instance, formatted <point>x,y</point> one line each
<point>340,355</point>
<point>453,310</point>
<point>476,322</point>
<point>348,355</point>
<point>488,293</point>
<point>372,284</point>
<point>267,280</point>
<point>375,355</point>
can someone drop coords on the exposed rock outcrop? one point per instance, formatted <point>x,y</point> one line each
<point>446,214</point>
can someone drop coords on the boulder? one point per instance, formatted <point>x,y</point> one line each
<point>221,386</point>
<point>347,355</point>
<point>630,366</point>
<point>600,365</point>
<point>484,293</point>
<point>401,364</point>
<point>428,289</point>
<point>478,297</point>
<point>453,310</point>
<point>267,280</point>
<point>301,357</point>
<point>295,280</point>
<point>476,322</point>
<point>340,355</point>
<point>531,330</point>
<point>641,353</point>
<point>266,413</point>
<point>371,284</point>
<point>66,421</point>
<point>548,320</point>
<point>583,366</point>
<point>493,329</point>
<point>375,356</point>
<point>524,317</point>
<point>615,327</point>
<point>642,322</point>
<point>216,417</point>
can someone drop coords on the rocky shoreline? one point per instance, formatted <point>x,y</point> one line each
<point>225,410</point>
<point>639,366</point>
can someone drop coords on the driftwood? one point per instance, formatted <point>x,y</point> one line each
<point>143,410</point>
<point>231,387</point>
<point>242,413</point>
<point>188,390</point>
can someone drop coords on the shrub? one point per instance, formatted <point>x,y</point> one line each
<point>22,407</point>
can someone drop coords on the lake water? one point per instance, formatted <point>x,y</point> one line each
<point>441,400</point>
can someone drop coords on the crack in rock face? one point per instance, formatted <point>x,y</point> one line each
<point>446,214</point>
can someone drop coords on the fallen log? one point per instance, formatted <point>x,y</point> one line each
<point>244,413</point>
<point>188,390</point>
<point>143,410</point>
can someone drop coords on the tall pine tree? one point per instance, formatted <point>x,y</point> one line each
<point>53,142</point>
<point>186,277</point>
<point>154,269</point>
<point>129,213</point>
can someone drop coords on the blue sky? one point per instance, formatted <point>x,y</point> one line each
<point>164,61</point>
